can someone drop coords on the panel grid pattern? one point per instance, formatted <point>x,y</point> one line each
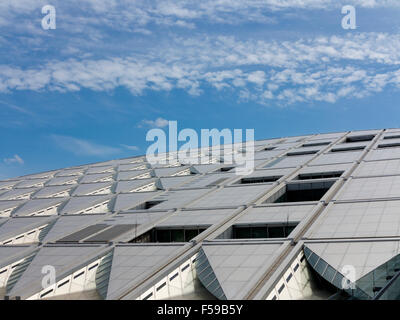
<point>116,202</point>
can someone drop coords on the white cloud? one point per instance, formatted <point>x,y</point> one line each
<point>14,160</point>
<point>82,147</point>
<point>136,16</point>
<point>158,123</point>
<point>131,148</point>
<point>15,107</point>
<point>291,70</point>
<point>257,77</point>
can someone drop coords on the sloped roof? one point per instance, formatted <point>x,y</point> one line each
<point>237,266</point>
<point>132,262</point>
<point>48,192</point>
<point>364,256</point>
<point>11,254</point>
<point>10,195</point>
<point>231,196</point>
<point>90,178</point>
<point>65,260</point>
<point>128,186</point>
<point>77,204</point>
<point>66,225</point>
<point>86,188</point>
<point>17,226</point>
<point>36,205</point>
<point>131,200</point>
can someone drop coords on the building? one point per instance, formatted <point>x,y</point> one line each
<point>319,218</point>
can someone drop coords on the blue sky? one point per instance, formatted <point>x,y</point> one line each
<point>90,90</point>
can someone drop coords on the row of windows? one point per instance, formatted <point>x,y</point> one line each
<point>268,231</point>
<point>169,235</point>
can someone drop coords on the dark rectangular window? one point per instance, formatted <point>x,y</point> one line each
<point>79,274</point>
<point>367,137</point>
<point>177,235</point>
<point>174,276</point>
<point>46,293</point>
<point>265,231</point>
<point>148,296</point>
<point>259,232</point>
<point>185,267</point>
<point>252,180</point>
<point>94,266</point>
<point>302,195</point>
<point>189,234</point>
<point>163,236</point>
<point>168,235</point>
<point>242,233</point>
<point>225,169</point>
<point>315,144</point>
<point>299,192</point>
<point>301,153</point>
<point>388,145</point>
<point>161,286</point>
<point>397,136</point>
<point>147,205</point>
<point>319,175</point>
<point>276,232</point>
<point>344,149</point>
<point>63,284</point>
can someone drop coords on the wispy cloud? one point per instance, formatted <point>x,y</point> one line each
<point>15,107</point>
<point>317,69</point>
<point>16,159</point>
<point>82,147</point>
<point>158,123</point>
<point>182,13</point>
<point>131,148</point>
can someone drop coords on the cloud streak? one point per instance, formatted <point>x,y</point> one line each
<point>82,147</point>
<point>318,69</point>
<point>158,123</point>
<point>16,159</point>
<point>181,13</point>
<point>131,148</point>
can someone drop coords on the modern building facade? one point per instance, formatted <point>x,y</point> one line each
<point>319,218</point>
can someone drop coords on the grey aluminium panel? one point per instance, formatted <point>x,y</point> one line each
<point>111,233</point>
<point>84,233</point>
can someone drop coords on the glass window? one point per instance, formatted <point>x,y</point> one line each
<point>260,232</point>
<point>177,236</point>
<point>288,230</point>
<point>242,233</point>
<point>163,236</point>
<point>190,234</point>
<point>276,232</point>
